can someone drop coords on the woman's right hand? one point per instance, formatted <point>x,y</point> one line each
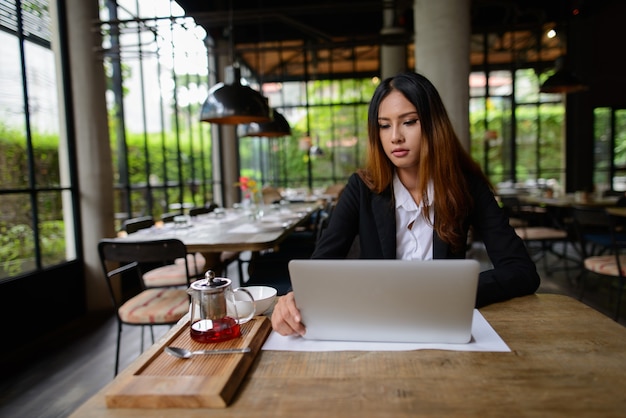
<point>286,316</point>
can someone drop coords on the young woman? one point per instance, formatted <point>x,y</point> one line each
<point>417,199</point>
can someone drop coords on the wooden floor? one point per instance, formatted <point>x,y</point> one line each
<point>57,382</point>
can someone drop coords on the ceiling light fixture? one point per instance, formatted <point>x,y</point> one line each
<point>232,102</point>
<point>276,127</point>
<point>562,81</point>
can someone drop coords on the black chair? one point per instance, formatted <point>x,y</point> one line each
<point>591,225</point>
<point>135,224</point>
<point>522,214</point>
<point>594,226</point>
<point>169,216</point>
<point>134,304</point>
<point>221,261</point>
<point>202,210</point>
<point>270,268</point>
<point>538,230</point>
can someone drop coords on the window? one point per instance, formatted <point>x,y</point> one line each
<point>609,149</point>
<point>37,221</point>
<point>158,74</point>
<point>517,136</point>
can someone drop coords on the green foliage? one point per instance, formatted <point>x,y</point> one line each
<point>336,122</point>
<point>152,161</point>
<point>538,134</point>
<point>17,246</point>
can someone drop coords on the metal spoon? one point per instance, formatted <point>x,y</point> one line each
<point>184,353</point>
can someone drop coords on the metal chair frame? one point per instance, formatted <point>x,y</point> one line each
<point>123,260</point>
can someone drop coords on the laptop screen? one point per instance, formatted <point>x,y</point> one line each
<point>386,300</point>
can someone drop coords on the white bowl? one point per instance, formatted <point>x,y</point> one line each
<point>264,297</point>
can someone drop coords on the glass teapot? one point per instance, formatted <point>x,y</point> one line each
<point>216,313</point>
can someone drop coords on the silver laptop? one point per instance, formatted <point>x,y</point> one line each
<point>386,300</point>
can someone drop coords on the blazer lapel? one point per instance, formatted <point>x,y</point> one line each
<point>385,219</point>
<point>440,248</point>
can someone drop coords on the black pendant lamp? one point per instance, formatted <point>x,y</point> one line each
<point>276,127</point>
<point>233,103</point>
<point>562,81</point>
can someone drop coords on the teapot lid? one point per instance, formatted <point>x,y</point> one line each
<point>210,282</point>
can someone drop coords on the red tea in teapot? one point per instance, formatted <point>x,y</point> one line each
<point>214,313</point>
<point>215,330</point>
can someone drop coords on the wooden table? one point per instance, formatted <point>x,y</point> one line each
<point>567,360</point>
<point>210,234</point>
<point>617,211</point>
<point>559,209</point>
<point>568,201</point>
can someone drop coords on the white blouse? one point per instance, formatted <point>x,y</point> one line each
<point>414,236</point>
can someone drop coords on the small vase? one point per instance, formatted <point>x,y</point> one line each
<point>256,205</point>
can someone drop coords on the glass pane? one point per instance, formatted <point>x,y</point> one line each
<point>500,83</point>
<point>602,146</point>
<point>44,115</point>
<point>250,157</point>
<point>498,140</point>
<point>285,94</point>
<point>620,138</point>
<point>526,86</point>
<point>52,236</point>
<point>620,149</point>
<point>478,84</point>
<point>527,163</point>
<point>13,156</point>
<point>552,146</point>
<point>17,239</point>
<point>139,201</point>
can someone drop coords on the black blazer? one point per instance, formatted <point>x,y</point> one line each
<point>371,216</point>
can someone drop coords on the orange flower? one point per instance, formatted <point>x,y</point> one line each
<point>248,185</point>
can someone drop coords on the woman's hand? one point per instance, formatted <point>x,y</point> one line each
<point>286,316</point>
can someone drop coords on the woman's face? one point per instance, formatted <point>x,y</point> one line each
<point>400,131</point>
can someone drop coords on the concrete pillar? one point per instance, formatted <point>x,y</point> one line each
<point>442,50</point>
<point>229,163</point>
<point>225,145</point>
<point>393,49</point>
<point>92,137</point>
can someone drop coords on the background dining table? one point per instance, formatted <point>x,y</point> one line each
<point>569,201</point>
<point>232,229</point>
<point>566,360</point>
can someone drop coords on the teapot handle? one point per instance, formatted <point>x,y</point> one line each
<point>252,312</point>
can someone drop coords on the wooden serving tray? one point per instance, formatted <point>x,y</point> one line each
<point>158,380</point>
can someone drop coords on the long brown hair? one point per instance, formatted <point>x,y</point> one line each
<point>443,160</point>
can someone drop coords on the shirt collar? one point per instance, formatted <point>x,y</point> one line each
<point>404,199</point>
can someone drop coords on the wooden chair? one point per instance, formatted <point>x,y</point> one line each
<point>135,224</point>
<point>181,272</point>
<point>134,304</point>
<point>271,195</point>
<point>177,267</point>
<point>594,226</point>
<point>176,273</point>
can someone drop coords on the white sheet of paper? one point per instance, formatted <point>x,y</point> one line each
<point>484,338</point>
